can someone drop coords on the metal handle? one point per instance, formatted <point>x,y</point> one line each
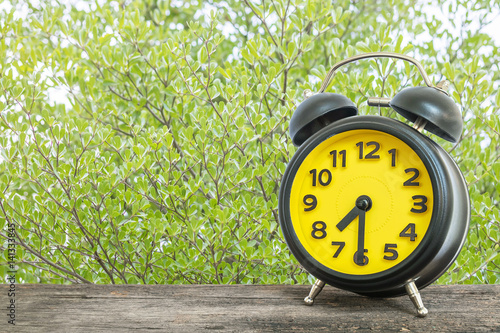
<point>427,81</point>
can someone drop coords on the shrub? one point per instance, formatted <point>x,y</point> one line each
<point>144,141</point>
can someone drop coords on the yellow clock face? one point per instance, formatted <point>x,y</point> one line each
<point>361,202</point>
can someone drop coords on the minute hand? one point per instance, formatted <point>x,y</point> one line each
<point>359,256</point>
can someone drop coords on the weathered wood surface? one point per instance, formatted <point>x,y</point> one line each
<point>244,308</point>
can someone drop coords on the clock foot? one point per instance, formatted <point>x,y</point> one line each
<point>412,291</point>
<point>315,290</point>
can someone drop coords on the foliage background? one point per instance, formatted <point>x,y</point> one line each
<point>163,162</point>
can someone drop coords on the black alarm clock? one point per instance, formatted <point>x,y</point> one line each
<point>369,204</point>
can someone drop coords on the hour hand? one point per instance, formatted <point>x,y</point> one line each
<point>348,218</point>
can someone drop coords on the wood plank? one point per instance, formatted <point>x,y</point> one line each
<point>244,308</point>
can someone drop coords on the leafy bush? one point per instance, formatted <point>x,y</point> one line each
<point>144,141</point>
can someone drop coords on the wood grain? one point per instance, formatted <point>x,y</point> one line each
<point>244,308</point>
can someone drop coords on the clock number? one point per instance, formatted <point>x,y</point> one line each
<point>371,155</point>
<point>391,249</point>
<point>310,201</point>
<point>411,181</point>
<point>409,231</point>
<point>342,154</point>
<point>319,227</point>
<point>320,177</point>
<point>360,259</point>
<point>421,204</point>
<point>393,160</point>
<point>341,247</point>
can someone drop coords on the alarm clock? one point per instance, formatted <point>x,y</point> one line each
<point>368,203</point>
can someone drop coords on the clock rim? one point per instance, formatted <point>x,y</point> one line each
<point>389,280</point>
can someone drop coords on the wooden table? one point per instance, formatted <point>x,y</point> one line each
<point>243,308</point>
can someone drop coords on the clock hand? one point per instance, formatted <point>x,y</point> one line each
<point>363,204</point>
<point>359,257</point>
<point>348,218</point>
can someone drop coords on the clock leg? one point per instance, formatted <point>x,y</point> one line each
<point>315,290</point>
<point>412,291</point>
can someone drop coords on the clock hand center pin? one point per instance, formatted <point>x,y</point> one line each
<point>364,202</point>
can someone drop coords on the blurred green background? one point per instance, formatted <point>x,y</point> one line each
<point>144,141</point>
